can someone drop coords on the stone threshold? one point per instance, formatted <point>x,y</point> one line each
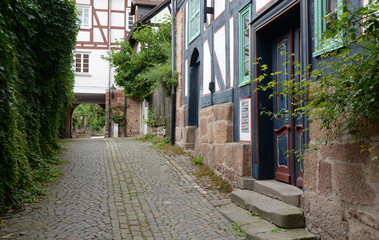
<point>274,189</point>
<point>257,227</point>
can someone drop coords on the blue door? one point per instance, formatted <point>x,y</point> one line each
<point>287,129</point>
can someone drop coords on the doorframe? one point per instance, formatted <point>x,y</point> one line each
<point>260,169</point>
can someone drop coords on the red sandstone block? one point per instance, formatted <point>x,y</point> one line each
<point>310,171</point>
<point>350,152</point>
<point>223,132</point>
<point>243,159</point>
<point>230,154</point>
<point>350,184</point>
<point>325,177</point>
<point>223,112</point>
<point>219,153</point>
<point>324,217</point>
<point>205,112</point>
<point>203,126</point>
<point>365,217</point>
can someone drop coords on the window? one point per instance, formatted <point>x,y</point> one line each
<point>82,63</point>
<point>84,17</point>
<point>194,19</point>
<point>129,21</point>
<point>330,9</point>
<point>244,45</point>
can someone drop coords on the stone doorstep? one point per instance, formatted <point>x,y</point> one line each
<point>275,211</point>
<point>257,228</point>
<point>278,190</point>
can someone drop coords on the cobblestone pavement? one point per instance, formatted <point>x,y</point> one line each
<point>121,189</point>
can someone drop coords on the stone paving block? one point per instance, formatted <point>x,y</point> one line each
<point>123,189</point>
<point>288,234</point>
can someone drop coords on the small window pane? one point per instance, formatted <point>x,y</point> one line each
<point>247,68</point>
<point>246,21</point>
<point>246,51</point>
<point>247,37</point>
<point>331,5</point>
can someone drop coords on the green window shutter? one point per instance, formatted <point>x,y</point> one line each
<point>321,11</point>
<point>244,45</point>
<point>194,19</point>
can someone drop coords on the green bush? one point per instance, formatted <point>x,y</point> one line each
<point>37,39</point>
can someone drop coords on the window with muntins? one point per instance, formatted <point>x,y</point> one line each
<point>82,63</point>
<point>84,17</point>
<point>326,9</point>
<point>194,19</point>
<point>130,21</point>
<point>244,45</point>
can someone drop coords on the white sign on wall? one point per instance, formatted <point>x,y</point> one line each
<point>115,130</point>
<point>245,120</point>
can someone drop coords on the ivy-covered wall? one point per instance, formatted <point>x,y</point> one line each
<point>37,38</point>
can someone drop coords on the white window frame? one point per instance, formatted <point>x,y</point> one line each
<point>81,73</point>
<point>128,26</point>
<point>81,20</point>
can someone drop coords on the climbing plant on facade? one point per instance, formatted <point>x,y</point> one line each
<point>141,71</point>
<point>342,91</point>
<point>36,43</point>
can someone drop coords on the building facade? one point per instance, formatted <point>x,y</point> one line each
<point>102,24</point>
<point>220,115</point>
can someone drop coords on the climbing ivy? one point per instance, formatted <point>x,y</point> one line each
<point>141,72</point>
<point>37,38</point>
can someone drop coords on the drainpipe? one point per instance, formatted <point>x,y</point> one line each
<point>173,88</point>
<point>109,66</point>
<point>125,116</point>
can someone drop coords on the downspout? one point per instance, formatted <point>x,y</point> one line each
<point>125,116</point>
<point>109,66</point>
<point>173,87</point>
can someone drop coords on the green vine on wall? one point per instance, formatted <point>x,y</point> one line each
<point>37,40</point>
<point>143,71</point>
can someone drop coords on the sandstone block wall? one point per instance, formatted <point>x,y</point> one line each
<point>214,142</point>
<point>341,198</point>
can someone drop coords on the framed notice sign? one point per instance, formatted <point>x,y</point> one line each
<point>245,120</point>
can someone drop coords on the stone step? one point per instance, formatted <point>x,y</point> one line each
<point>273,210</point>
<point>278,190</point>
<point>256,227</point>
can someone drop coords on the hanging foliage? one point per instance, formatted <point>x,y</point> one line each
<point>141,72</point>
<point>36,81</point>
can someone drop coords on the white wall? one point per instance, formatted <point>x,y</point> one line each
<point>97,79</point>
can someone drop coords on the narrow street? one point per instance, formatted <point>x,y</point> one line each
<point>120,189</point>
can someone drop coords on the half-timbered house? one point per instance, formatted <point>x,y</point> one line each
<point>221,117</point>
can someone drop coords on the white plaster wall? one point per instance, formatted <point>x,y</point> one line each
<point>117,34</point>
<point>118,5</point>
<point>97,35</point>
<point>118,19</point>
<point>97,80</point>
<point>100,4</point>
<point>159,17</point>
<point>231,51</point>
<point>219,8</point>
<point>83,36</point>
<point>103,18</point>
<point>220,51</point>
<point>206,68</point>
<point>83,2</point>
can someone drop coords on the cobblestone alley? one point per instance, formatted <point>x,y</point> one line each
<point>121,189</point>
